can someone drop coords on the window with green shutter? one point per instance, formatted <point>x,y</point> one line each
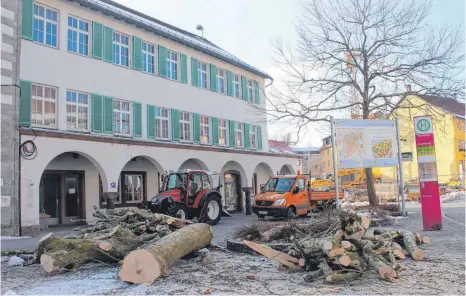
<point>137,119</point>
<point>97,40</point>
<point>259,138</point>
<point>25,103</point>
<point>151,123</point>
<point>162,62</point>
<point>196,131</point>
<point>97,113</point>
<point>257,93</point>
<point>137,53</point>
<point>246,136</point>
<point>215,130</point>
<point>213,77</point>
<point>184,68</point>
<point>194,72</point>
<point>232,133</point>
<point>108,115</point>
<point>229,83</point>
<point>27,19</point>
<point>108,44</point>
<point>175,125</point>
<point>244,87</point>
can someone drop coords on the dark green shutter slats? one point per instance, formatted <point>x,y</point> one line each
<point>108,44</point>
<point>257,93</point>
<point>194,78</point>
<point>27,19</point>
<point>184,68</point>
<point>229,83</point>
<point>215,130</point>
<point>213,77</point>
<point>151,121</point>
<point>196,128</point>
<point>246,136</point>
<point>137,53</point>
<point>97,40</point>
<point>25,103</point>
<point>232,133</point>
<point>175,125</point>
<point>97,113</point>
<point>244,87</point>
<point>162,59</point>
<point>259,138</point>
<point>108,115</point>
<point>137,119</point>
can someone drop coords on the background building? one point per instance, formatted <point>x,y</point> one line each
<point>312,163</point>
<point>326,155</point>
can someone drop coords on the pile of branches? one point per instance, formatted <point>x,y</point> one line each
<point>345,252</point>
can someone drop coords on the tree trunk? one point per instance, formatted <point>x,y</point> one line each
<point>146,265</point>
<point>373,200</point>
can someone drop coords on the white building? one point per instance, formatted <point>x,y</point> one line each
<point>113,95</point>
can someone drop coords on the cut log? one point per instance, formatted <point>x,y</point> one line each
<point>356,262</point>
<point>378,265</point>
<point>348,246</point>
<point>365,222</point>
<point>146,265</point>
<point>323,270</point>
<point>343,259</point>
<point>398,254</point>
<point>409,241</point>
<point>396,245</point>
<point>338,237</point>
<point>274,255</point>
<point>338,276</point>
<point>273,233</point>
<point>425,239</point>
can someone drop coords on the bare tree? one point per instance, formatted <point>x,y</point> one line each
<point>284,137</point>
<point>363,56</point>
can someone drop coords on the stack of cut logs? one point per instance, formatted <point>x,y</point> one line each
<point>148,244</point>
<point>344,253</point>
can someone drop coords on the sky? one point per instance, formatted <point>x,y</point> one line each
<point>246,29</point>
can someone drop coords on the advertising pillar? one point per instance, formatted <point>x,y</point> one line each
<point>428,178</point>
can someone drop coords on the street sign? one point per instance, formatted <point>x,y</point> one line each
<point>428,178</point>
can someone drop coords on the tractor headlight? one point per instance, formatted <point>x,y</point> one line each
<point>279,202</point>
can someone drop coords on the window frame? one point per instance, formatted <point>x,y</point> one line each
<point>44,99</point>
<point>250,90</point>
<point>129,112</point>
<point>168,59</point>
<point>121,45</point>
<point>203,125</point>
<point>241,131</point>
<point>122,199</point>
<point>45,20</point>
<point>145,57</point>
<point>233,82</point>
<point>184,122</point>
<point>88,33</point>
<point>77,104</point>
<point>199,75</point>
<point>123,175</point>
<point>217,80</point>
<point>163,118</point>
<point>227,130</point>
<point>253,134</point>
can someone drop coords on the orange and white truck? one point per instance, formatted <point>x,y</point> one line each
<point>288,196</point>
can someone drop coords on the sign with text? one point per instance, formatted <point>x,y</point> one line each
<point>362,143</point>
<point>428,178</point>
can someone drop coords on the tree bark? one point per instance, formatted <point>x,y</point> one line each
<point>148,264</point>
<point>409,242</point>
<point>373,200</point>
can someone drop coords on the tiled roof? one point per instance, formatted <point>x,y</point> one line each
<point>448,104</point>
<point>280,147</point>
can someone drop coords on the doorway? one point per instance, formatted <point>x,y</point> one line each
<point>61,196</point>
<point>233,192</point>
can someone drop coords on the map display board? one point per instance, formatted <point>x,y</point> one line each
<point>365,143</point>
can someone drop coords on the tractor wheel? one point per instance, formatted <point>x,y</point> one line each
<point>211,211</point>
<point>179,211</point>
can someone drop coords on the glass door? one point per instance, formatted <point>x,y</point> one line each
<point>72,198</point>
<point>49,198</point>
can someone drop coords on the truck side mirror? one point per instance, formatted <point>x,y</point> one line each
<point>295,190</point>
<point>262,188</point>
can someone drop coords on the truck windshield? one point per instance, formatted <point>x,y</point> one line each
<point>279,185</point>
<point>176,181</point>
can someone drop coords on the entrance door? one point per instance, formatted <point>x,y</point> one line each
<point>50,197</point>
<point>72,200</point>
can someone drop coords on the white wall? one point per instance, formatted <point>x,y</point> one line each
<point>264,172</point>
<point>143,165</point>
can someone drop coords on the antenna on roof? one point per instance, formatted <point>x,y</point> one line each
<point>200,28</point>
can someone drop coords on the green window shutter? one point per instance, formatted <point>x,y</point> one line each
<point>137,53</point>
<point>194,81</point>
<point>213,77</point>
<point>25,103</point>
<point>27,19</point>
<point>162,59</point>
<point>108,44</point>
<point>184,68</point>
<point>97,40</point>
<point>215,130</point>
<point>151,121</point>
<point>196,128</point>
<point>175,125</point>
<point>246,136</point>
<point>97,113</point>
<point>137,119</point>
<point>229,83</point>
<point>108,115</point>
<point>257,93</point>
<point>232,133</point>
<point>244,86</point>
<point>259,138</point>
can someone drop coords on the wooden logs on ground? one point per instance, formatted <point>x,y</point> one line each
<point>410,245</point>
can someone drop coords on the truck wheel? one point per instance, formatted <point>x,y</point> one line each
<point>211,211</point>
<point>178,211</point>
<point>290,213</point>
<point>261,217</point>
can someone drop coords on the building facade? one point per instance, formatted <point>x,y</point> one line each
<point>326,155</point>
<point>312,162</point>
<point>112,99</point>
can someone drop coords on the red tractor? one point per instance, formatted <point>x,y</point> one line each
<point>187,194</point>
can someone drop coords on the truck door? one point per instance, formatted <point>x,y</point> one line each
<point>302,203</point>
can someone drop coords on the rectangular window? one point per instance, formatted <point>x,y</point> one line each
<point>77,111</point>
<point>133,188</point>
<point>250,90</point>
<point>45,25</point>
<point>44,105</point>
<point>239,134</point>
<point>148,58</point>
<point>223,132</point>
<point>236,86</point>
<point>201,74</point>
<point>185,127</point>
<point>120,49</point>
<point>205,129</point>
<point>172,65</point>
<point>78,36</point>
<point>121,117</point>
<point>162,124</point>
<point>252,136</point>
<point>220,80</point>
